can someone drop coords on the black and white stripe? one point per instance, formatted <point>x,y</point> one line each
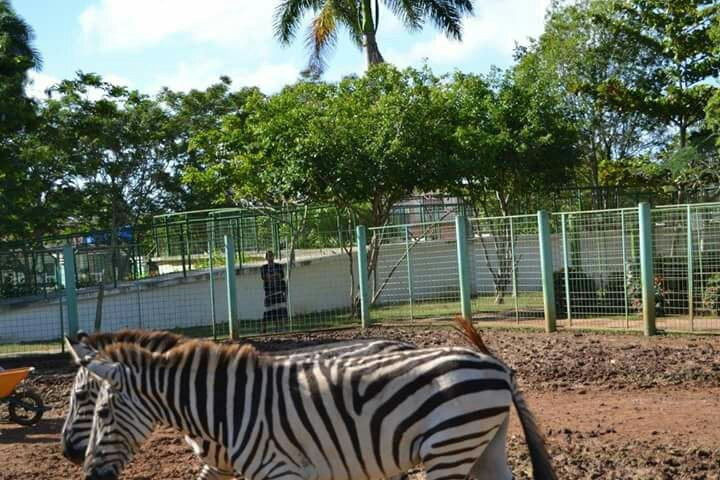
<point>367,417</point>
<point>76,430</point>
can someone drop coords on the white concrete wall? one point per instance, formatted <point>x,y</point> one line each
<point>317,285</point>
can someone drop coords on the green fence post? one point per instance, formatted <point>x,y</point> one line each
<point>691,306</point>
<point>461,240</point>
<point>513,270</point>
<point>409,269</point>
<point>363,276</point>
<point>167,237</point>
<point>57,290</point>
<point>231,290</point>
<point>70,289</point>
<point>188,243</point>
<point>646,268</point>
<point>625,269</point>
<point>275,230</point>
<point>212,287</point>
<point>566,267</point>
<point>546,268</point>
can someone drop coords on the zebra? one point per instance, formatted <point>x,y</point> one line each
<point>321,419</point>
<point>76,429</point>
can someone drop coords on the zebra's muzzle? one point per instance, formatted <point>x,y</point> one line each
<point>75,455</point>
<point>108,475</point>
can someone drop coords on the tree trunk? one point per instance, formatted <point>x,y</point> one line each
<point>683,134</point>
<point>372,52</point>
<point>113,233</point>
<point>98,307</point>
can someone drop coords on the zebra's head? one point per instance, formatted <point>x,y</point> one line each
<point>121,423</point>
<point>76,429</point>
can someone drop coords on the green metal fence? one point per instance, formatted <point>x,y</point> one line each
<point>630,269</point>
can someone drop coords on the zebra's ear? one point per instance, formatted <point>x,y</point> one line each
<point>107,371</point>
<point>80,353</point>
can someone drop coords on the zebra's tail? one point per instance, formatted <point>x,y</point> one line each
<point>542,466</point>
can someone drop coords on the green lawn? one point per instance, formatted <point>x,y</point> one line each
<point>50,346</point>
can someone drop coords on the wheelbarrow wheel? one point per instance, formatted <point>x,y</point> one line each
<point>26,407</point>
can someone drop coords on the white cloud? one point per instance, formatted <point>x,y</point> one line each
<point>497,25</point>
<point>269,77</point>
<point>38,83</point>
<point>128,24</point>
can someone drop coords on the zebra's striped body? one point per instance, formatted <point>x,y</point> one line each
<point>350,418</point>
<point>76,430</point>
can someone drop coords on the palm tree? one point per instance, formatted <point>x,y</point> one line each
<point>17,53</point>
<point>361,18</point>
<point>17,56</point>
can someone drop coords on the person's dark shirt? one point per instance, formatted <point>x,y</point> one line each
<point>272,276</point>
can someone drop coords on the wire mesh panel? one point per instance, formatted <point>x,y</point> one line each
<point>33,314</point>
<point>670,266</point>
<point>686,284</point>
<point>313,292</point>
<point>413,272</point>
<point>506,275</point>
<point>597,268</point>
<point>705,265</point>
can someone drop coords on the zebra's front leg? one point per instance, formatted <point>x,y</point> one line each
<point>212,473</point>
<point>214,458</point>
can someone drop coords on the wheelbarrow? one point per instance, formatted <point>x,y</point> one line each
<point>25,405</point>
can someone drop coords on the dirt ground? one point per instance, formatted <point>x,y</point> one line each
<point>611,406</point>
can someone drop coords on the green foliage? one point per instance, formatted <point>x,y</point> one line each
<point>634,172</point>
<point>711,294</point>
<point>197,120</point>
<point>118,147</point>
<point>660,292</point>
<point>583,291</point>
<point>512,139</point>
<point>573,59</point>
<point>679,55</point>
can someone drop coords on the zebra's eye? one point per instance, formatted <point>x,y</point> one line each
<point>104,413</point>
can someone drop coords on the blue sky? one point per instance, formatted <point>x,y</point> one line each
<point>183,44</point>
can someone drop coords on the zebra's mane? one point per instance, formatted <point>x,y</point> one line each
<point>135,354</point>
<point>145,338</point>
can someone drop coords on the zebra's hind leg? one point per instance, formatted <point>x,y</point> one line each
<point>493,462</point>
<point>454,455</point>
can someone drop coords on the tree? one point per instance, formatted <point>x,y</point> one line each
<point>196,119</point>
<point>573,58</point>
<point>360,146</point>
<point>17,118</point>
<point>119,149</point>
<point>361,19</point>
<point>513,142</point>
<point>681,56</point>
<point>17,57</point>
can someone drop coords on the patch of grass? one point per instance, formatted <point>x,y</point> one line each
<point>23,348</point>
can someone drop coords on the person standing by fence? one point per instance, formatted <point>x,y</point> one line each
<point>273,277</point>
